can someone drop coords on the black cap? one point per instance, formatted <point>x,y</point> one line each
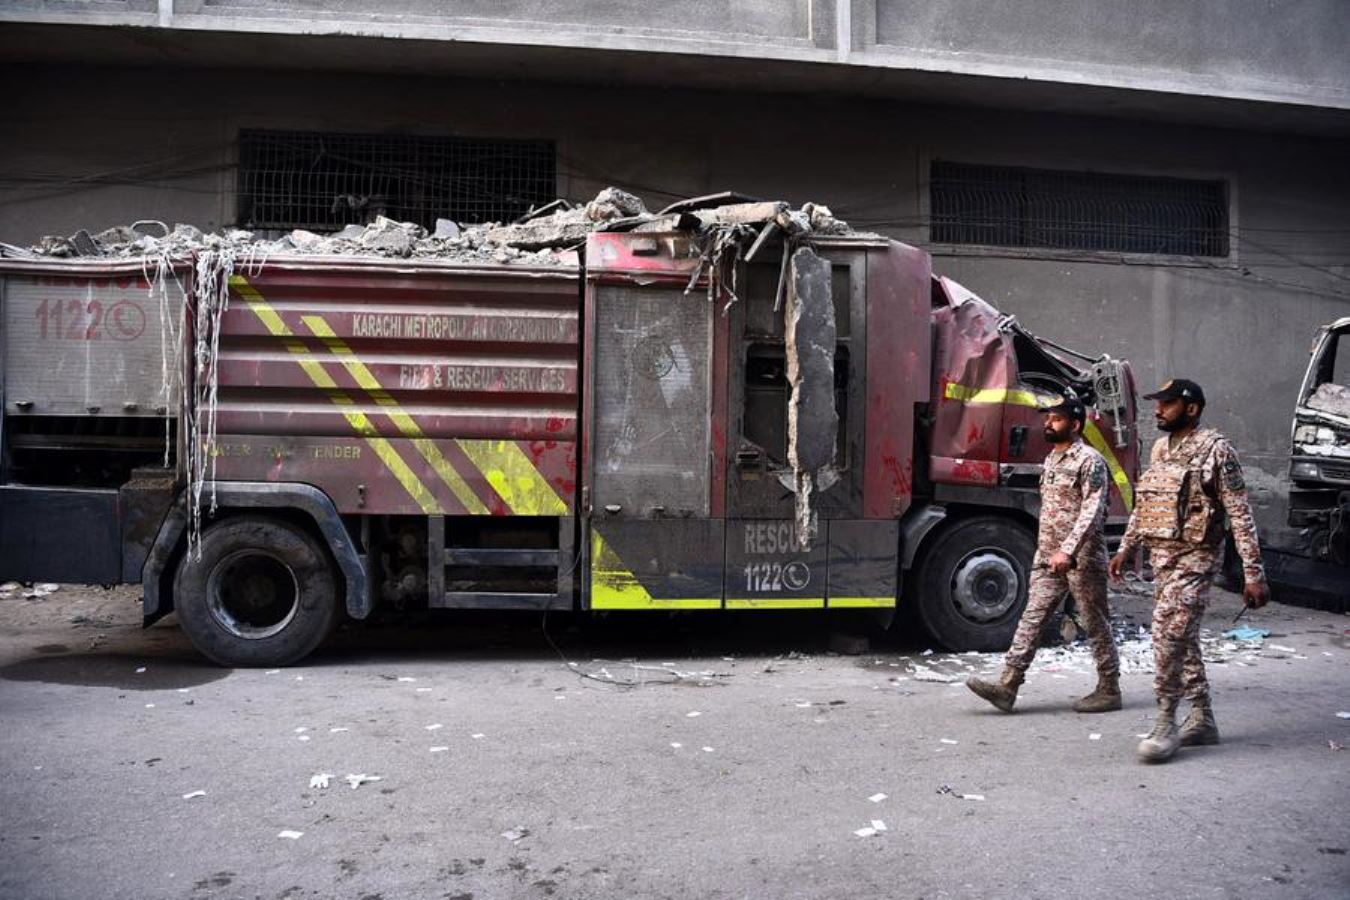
<point>1179,388</point>
<point>1068,406</point>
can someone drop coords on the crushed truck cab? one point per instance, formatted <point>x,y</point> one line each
<point>729,405</point>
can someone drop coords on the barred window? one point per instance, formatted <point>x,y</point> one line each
<point>323,181</point>
<point>1013,207</point>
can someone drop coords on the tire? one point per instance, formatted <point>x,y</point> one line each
<point>973,581</point>
<point>262,593</point>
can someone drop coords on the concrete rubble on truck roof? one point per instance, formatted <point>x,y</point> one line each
<point>549,236</point>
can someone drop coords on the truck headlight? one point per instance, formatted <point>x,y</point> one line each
<point>1303,470</point>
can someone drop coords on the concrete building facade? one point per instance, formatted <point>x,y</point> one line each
<point>141,109</point>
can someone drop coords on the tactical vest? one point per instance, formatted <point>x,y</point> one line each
<point>1171,502</point>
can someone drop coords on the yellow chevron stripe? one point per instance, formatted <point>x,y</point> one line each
<point>355,418</point>
<point>513,475</point>
<point>614,586</point>
<point>404,422</point>
<point>1091,432</point>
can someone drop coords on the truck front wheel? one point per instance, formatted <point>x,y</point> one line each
<point>973,583</point>
<point>262,593</point>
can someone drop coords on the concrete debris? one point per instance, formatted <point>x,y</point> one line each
<point>517,834</point>
<point>548,236</point>
<point>1331,398</point>
<point>320,780</point>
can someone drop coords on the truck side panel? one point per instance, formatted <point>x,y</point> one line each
<point>428,392</point>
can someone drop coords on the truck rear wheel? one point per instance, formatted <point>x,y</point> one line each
<point>262,593</point>
<point>973,583</point>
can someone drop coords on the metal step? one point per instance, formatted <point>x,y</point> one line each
<point>504,600</point>
<point>474,556</point>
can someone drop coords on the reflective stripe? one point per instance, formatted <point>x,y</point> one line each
<point>860,602</point>
<point>322,380</point>
<point>776,603</point>
<point>405,423</point>
<point>614,586</point>
<point>513,475</point>
<point>1091,432</point>
<point>1099,443</point>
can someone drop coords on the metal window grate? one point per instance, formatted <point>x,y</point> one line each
<point>321,181</point>
<point>1011,207</point>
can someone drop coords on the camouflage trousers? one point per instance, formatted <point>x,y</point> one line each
<point>1180,590</point>
<point>1088,586</point>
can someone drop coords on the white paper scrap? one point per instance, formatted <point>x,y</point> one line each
<point>406,678</point>
<point>865,832</point>
<point>320,780</point>
<point>1343,715</point>
<point>194,794</point>
<point>141,670</point>
<point>423,690</point>
<point>303,737</point>
<point>291,835</point>
<point>302,729</point>
<point>439,749</point>
<point>434,726</point>
<point>676,744</point>
<point>693,715</point>
<point>338,730</point>
<point>877,798</point>
<point>878,824</point>
<point>1094,736</point>
<point>357,780</point>
<point>272,672</point>
<point>972,796</point>
<point>949,741</point>
<point>707,749</point>
<point>477,735</point>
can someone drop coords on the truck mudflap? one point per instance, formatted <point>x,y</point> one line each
<point>257,495</point>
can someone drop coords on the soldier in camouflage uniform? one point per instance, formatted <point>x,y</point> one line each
<point>1070,557</point>
<point>1193,479</point>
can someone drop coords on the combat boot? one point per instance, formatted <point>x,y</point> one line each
<point>1199,727</point>
<point>1105,698</point>
<point>1001,693</point>
<point>1163,741</point>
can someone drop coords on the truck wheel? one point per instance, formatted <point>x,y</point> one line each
<point>262,593</point>
<point>973,583</point>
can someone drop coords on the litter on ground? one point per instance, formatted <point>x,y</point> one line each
<point>193,794</point>
<point>291,835</point>
<point>320,780</point>
<point>877,798</point>
<point>357,780</point>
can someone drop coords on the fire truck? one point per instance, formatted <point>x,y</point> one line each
<point>814,423</point>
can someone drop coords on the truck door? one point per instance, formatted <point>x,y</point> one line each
<point>766,565</point>
<point>649,409</point>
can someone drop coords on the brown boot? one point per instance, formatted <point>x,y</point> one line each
<point>1001,693</point>
<point>1163,742</point>
<point>1199,727</point>
<point>1106,697</point>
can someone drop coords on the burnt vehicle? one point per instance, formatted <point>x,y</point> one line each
<point>1317,573</point>
<point>728,405</point>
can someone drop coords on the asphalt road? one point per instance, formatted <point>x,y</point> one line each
<point>505,772</point>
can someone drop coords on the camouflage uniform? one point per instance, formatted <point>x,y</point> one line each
<point>1182,568</point>
<point>1074,490</point>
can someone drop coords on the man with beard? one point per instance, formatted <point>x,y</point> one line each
<point>1070,557</point>
<point>1193,479</point>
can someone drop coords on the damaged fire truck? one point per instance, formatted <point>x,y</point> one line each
<point>728,405</point>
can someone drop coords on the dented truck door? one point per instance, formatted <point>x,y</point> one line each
<point>795,461</point>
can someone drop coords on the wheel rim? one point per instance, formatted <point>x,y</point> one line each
<point>986,585</point>
<point>252,594</point>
